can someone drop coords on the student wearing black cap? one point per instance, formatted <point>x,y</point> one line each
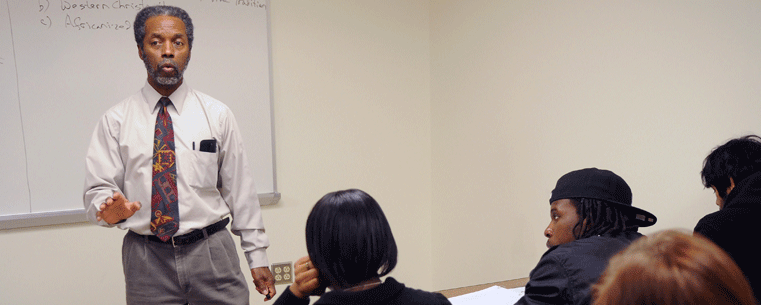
<point>591,219</point>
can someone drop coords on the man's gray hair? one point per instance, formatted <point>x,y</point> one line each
<point>161,10</point>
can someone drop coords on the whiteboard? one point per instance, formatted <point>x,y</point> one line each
<point>63,63</point>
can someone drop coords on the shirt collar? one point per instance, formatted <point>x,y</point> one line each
<point>178,97</point>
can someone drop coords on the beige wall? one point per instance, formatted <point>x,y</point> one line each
<point>525,91</point>
<point>458,117</point>
<point>352,109</point>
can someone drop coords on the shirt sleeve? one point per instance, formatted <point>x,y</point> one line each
<point>104,171</point>
<point>548,284</point>
<point>236,184</point>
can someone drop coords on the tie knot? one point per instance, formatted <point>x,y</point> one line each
<point>165,101</point>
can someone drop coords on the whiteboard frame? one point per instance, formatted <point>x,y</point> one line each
<point>38,219</point>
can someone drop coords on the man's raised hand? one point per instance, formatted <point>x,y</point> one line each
<point>117,208</point>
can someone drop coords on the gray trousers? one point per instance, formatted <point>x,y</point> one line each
<point>205,272</point>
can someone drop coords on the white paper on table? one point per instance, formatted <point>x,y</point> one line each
<point>494,295</point>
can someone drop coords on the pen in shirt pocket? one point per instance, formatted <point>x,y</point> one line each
<point>194,145</point>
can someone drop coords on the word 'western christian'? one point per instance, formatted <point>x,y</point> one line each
<point>138,5</point>
<point>118,4</point>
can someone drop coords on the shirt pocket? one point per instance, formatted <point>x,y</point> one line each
<point>202,170</point>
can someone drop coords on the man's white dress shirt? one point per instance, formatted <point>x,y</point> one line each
<point>211,185</point>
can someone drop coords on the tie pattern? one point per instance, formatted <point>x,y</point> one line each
<point>165,216</point>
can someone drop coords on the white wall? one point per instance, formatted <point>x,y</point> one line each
<point>525,91</point>
<point>458,117</point>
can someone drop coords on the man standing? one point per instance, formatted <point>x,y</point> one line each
<point>733,171</point>
<point>179,150</point>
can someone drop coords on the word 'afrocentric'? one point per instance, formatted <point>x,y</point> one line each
<point>78,23</point>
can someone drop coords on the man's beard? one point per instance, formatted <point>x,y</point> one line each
<point>153,71</point>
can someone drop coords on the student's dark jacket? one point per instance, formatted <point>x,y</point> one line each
<point>390,292</point>
<point>566,272</point>
<point>734,228</point>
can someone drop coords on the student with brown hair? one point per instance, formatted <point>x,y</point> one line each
<point>672,267</point>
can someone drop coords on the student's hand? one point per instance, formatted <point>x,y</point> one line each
<point>307,278</point>
<point>117,208</point>
<point>264,282</point>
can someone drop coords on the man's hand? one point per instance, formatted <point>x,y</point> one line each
<point>264,282</point>
<point>307,278</point>
<point>116,209</point>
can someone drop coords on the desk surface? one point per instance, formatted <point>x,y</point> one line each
<point>465,290</point>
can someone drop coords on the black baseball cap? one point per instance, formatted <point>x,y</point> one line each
<point>603,185</point>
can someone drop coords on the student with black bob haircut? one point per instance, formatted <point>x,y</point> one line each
<point>591,219</point>
<point>349,238</point>
<point>733,171</point>
<point>350,248</point>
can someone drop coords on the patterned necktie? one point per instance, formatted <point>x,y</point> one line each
<point>165,216</point>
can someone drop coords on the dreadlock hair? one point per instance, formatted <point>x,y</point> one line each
<point>597,217</point>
